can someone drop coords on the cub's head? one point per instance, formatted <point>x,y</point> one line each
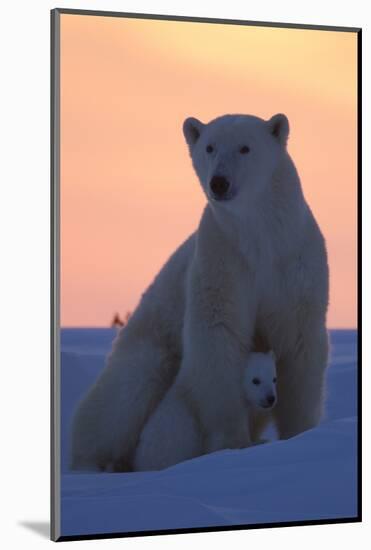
<point>260,380</point>
<point>235,157</point>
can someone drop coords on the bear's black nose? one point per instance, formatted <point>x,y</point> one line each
<point>271,399</point>
<point>219,185</point>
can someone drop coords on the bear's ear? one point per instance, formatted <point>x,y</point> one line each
<point>279,128</point>
<point>192,129</point>
<point>273,355</point>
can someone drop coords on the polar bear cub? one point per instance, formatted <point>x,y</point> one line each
<point>260,391</point>
<point>260,380</point>
<point>173,434</point>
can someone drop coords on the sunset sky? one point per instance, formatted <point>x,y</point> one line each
<point>129,196</point>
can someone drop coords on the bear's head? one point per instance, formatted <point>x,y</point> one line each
<point>260,380</point>
<point>235,157</point>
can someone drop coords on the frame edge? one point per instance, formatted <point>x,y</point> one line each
<point>55,520</point>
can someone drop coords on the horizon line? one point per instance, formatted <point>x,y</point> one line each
<point>87,327</point>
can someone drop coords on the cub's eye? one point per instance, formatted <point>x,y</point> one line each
<point>244,150</point>
<point>256,381</point>
<point>274,380</point>
<point>209,149</point>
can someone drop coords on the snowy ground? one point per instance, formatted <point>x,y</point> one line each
<point>312,476</point>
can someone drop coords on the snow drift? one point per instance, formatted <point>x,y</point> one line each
<point>311,476</point>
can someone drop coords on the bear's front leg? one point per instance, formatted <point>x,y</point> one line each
<point>211,379</point>
<point>214,396</point>
<point>301,384</point>
<point>219,320</point>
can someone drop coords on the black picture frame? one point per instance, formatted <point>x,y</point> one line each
<point>55,267</point>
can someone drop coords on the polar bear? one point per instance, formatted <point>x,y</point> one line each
<point>260,390</point>
<point>173,434</point>
<point>257,262</point>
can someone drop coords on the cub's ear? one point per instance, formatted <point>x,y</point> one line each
<point>279,128</point>
<point>192,129</point>
<point>272,354</point>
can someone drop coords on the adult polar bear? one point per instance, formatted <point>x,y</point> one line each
<point>256,264</point>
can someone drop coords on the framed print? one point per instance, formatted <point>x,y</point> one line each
<point>205,305</point>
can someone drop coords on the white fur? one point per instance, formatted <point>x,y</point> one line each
<point>173,433</point>
<point>256,264</point>
<point>260,382</point>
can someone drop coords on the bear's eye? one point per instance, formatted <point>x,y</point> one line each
<point>274,380</point>
<point>209,149</point>
<point>256,381</point>
<point>244,150</point>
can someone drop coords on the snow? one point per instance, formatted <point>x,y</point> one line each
<point>311,476</point>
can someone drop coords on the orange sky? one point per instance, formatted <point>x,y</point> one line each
<point>129,196</point>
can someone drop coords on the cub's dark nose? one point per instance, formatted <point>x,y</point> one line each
<point>219,185</point>
<point>270,400</point>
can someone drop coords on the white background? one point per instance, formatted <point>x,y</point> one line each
<point>24,272</point>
